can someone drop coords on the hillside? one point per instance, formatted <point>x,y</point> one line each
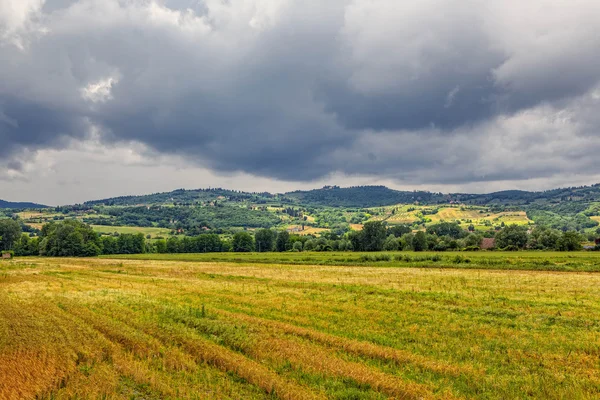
<point>19,205</point>
<point>361,196</point>
<point>330,208</point>
<point>186,197</point>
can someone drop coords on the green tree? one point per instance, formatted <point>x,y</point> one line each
<point>356,240</point>
<point>374,234</point>
<point>310,245</point>
<point>265,240</point>
<point>297,246</point>
<point>173,245</point>
<point>282,243</point>
<point>544,238</point>
<point>570,241</point>
<point>399,230</point>
<point>512,237</point>
<point>473,241</point>
<point>109,245</point>
<point>10,232</point>
<point>70,238</point>
<point>391,243</point>
<point>161,246</point>
<point>446,229</point>
<point>243,242</point>
<point>27,246</point>
<point>419,241</point>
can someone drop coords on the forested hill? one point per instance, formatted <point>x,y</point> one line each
<point>361,196</point>
<point>332,196</point>
<point>17,205</point>
<point>519,197</point>
<point>182,196</point>
<point>358,196</point>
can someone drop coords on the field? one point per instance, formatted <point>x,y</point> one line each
<point>480,217</point>
<point>255,326</point>
<point>153,232</point>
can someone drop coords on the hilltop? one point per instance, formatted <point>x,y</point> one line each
<point>332,208</point>
<point>359,196</point>
<point>20,205</point>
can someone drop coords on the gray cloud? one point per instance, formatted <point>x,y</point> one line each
<point>448,92</point>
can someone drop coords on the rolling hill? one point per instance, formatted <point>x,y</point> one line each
<point>20,205</point>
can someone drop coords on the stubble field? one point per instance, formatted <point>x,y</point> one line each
<point>155,329</point>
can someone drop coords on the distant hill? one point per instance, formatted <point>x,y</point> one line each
<point>519,197</point>
<point>182,196</point>
<point>358,196</point>
<point>361,196</point>
<point>9,204</point>
<point>333,207</point>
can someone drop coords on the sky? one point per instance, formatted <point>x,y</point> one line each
<point>102,98</point>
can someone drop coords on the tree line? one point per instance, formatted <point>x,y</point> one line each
<point>73,238</point>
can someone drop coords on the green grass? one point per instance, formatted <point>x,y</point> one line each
<point>523,260</point>
<point>153,232</point>
<point>168,329</point>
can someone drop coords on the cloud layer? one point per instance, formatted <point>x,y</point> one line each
<point>428,92</point>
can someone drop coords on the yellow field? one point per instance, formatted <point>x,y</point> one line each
<point>308,230</point>
<point>477,216</point>
<point>122,329</point>
<point>596,218</point>
<point>513,217</point>
<point>153,232</point>
<point>456,214</point>
<point>31,214</point>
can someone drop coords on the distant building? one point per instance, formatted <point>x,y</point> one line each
<point>488,243</point>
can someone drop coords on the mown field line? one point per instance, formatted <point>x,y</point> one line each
<point>267,347</point>
<point>360,348</point>
<point>224,359</point>
<point>312,358</point>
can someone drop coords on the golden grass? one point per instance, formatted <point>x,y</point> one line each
<point>308,230</point>
<point>153,232</point>
<point>102,328</point>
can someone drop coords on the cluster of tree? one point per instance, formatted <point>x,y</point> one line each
<point>10,232</point>
<point>360,196</point>
<point>186,218</point>
<point>562,219</point>
<point>185,197</point>
<point>70,238</point>
<point>516,237</point>
<point>206,243</point>
<point>73,238</point>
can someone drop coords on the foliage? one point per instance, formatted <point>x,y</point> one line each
<point>512,237</point>
<point>27,246</point>
<point>70,238</point>
<point>570,241</point>
<point>399,230</point>
<point>242,242</point>
<point>373,236</point>
<point>265,240</point>
<point>446,229</point>
<point>419,241</point>
<point>283,240</point>
<point>359,196</point>
<point>10,232</point>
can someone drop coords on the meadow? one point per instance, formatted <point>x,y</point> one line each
<point>153,232</point>
<point>296,326</point>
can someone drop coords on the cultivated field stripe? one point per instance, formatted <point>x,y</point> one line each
<point>360,348</point>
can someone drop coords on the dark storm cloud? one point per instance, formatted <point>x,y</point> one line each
<point>450,91</point>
